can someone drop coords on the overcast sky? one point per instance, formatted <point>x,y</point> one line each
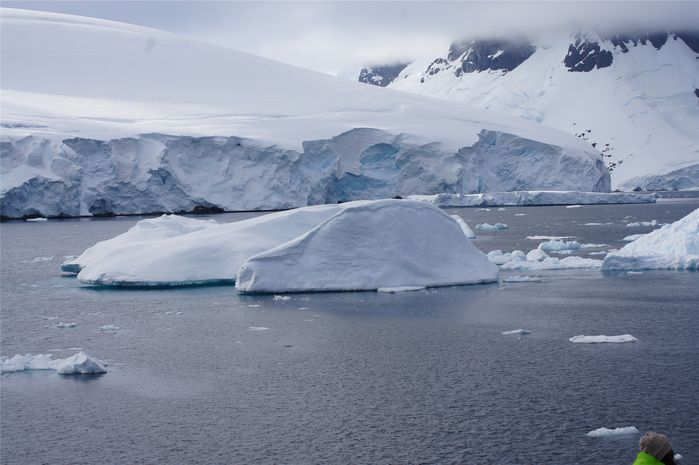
<point>339,37</point>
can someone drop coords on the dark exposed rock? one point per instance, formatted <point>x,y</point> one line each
<point>494,54</point>
<point>381,75</point>
<point>585,55</point>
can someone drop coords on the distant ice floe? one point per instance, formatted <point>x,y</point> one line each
<point>544,238</point>
<point>521,279</point>
<point>613,432</point>
<point>518,332</point>
<point>80,363</point>
<point>258,328</point>
<point>395,290</point>
<point>573,206</point>
<point>603,339</point>
<point>525,198</point>
<point>281,298</point>
<point>492,227</point>
<point>555,245</point>
<point>639,224</point>
<point>109,328</point>
<point>673,247</point>
<point>66,325</point>
<point>597,224</point>
<point>362,245</point>
<point>36,220</point>
<point>538,260</point>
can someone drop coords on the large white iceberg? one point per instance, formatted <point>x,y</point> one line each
<point>78,364</point>
<point>673,247</point>
<point>387,243</point>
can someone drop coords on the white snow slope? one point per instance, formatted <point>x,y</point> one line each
<point>352,246</point>
<point>673,247</point>
<point>100,117</point>
<point>640,110</point>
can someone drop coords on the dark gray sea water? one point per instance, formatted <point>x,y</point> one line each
<point>353,378</point>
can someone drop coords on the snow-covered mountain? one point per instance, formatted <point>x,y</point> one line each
<point>635,97</point>
<point>101,117</point>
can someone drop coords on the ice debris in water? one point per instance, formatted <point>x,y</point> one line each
<point>80,363</point>
<point>492,227</point>
<point>521,279</point>
<point>639,224</point>
<point>258,328</point>
<point>37,220</point>
<point>673,247</point>
<point>602,338</point>
<point>613,432</point>
<point>109,328</point>
<point>519,332</point>
<point>394,290</point>
<point>537,260</point>
<point>66,325</point>
<point>554,245</point>
<point>281,297</point>
<point>573,206</point>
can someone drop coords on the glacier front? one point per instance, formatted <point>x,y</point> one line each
<point>120,129</point>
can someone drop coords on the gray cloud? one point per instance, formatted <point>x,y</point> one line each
<point>338,37</point>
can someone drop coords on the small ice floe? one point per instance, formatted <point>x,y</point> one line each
<point>522,279</point>
<point>602,339</point>
<point>397,289</point>
<point>573,206</point>
<point>562,252</point>
<point>253,305</point>
<point>518,332</point>
<point>613,432</point>
<point>281,297</point>
<point>632,237</point>
<point>597,224</point>
<point>498,257</point>
<point>468,232</point>
<point>520,214</point>
<point>482,209</point>
<point>502,209</point>
<point>639,224</point>
<point>37,220</point>
<point>678,457</point>
<point>258,328</point>
<point>41,259</point>
<point>592,246</point>
<point>492,227</point>
<point>80,363</point>
<point>66,325</point>
<point>109,328</point>
<point>304,308</point>
<point>557,246</point>
<point>602,252</point>
<point>634,272</point>
<point>548,238</point>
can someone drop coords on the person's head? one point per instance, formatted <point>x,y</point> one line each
<point>659,446</point>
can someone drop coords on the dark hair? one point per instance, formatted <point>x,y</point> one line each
<point>669,458</point>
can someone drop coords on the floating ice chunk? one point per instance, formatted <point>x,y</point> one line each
<point>37,220</point>
<point>520,214</point>
<point>499,258</point>
<point>562,252</point>
<point>394,290</point>
<point>492,227</point>
<point>613,432</point>
<point>41,259</point>
<point>522,279</point>
<point>598,224</point>
<point>79,364</point>
<point>368,245</point>
<point>553,263</point>
<point>672,247</point>
<point>468,232</point>
<point>555,245</point>
<point>639,224</point>
<point>536,255</point>
<point>592,246</point>
<point>258,328</point>
<point>573,206</point>
<point>543,238</point>
<point>281,297</point>
<point>601,252</point>
<point>678,457</point>
<point>66,325</point>
<point>603,339</point>
<point>502,209</point>
<point>632,237</point>
<point>109,328</point>
<point>634,272</point>
<point>519,332</point>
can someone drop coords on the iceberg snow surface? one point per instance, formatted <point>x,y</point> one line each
<point>350,246</point>
<point>673,247</point>
<point>386,243</point>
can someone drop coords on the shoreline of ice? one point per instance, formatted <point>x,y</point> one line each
<point>535,198</point>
